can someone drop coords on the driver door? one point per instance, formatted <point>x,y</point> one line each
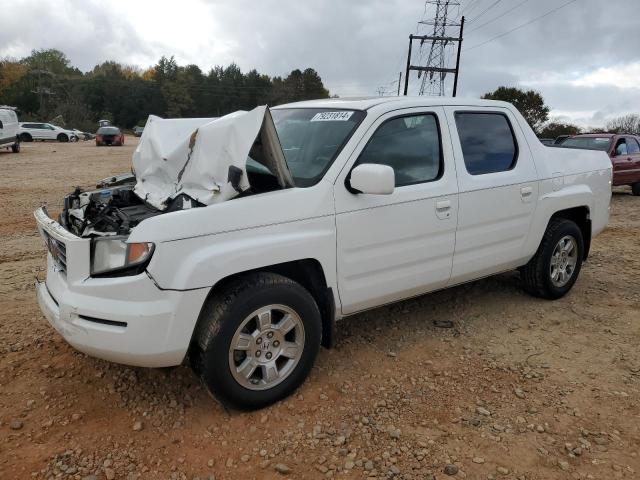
<point>400,245</point>
<point>622,162</point>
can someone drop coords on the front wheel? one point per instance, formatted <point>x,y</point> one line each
<point>555,267</point>
<point>257,340</point>
<point>63,138</point>
<point>15,148</point>
<point>635,189</point>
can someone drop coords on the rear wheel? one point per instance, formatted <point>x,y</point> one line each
<point>635,189</point>
<point>63,137</point>
<point>257,340</point>
<point>26,137</point>
<point>15,148</point>
<point>555,267</point>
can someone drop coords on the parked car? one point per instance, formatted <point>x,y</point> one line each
<point>9,129</point>
<point>82,135</point>
<point>546,141</point>
<point>241,241</point>
<point>560,138</point>
<point>109,136</point>
<point>623,150</point>
<point>30,131</point>
<point>137,131</point>
<point>104,123</point>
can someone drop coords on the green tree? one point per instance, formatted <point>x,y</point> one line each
<point>52,60</point>
<point>556,128</point>
<point>529,103</point>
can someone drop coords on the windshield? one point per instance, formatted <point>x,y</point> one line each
<point>589,143</point>
<point>311,138</point>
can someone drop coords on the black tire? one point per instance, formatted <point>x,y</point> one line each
<point>63,137</point>
<point>15,148</point>
<point>26,137</point>
<point>536,275</point>
<point>223,314</point>
<point>635,189</point>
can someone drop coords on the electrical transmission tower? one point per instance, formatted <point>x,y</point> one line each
<point>434,71</point>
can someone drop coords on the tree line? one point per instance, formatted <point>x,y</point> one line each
<point>533,108</point>
<point>44,85</point>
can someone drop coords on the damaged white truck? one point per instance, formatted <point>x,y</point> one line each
<point>238,242</point>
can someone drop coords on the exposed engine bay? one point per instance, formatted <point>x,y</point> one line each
<point>181,164</point>
<point>109,211</point>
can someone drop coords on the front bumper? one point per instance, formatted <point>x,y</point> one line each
<point>121,319</point>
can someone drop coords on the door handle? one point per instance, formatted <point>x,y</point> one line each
<point>443,205</point>
<point>526,191</point>
<point>443,209</point>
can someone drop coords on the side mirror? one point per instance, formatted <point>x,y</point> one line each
<point>373,179</point>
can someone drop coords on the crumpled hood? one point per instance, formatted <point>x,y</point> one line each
<point>193,156</point>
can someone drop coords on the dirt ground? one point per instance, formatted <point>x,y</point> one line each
<point>518,388</point>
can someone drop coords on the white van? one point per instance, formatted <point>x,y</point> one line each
<point>9,129</point>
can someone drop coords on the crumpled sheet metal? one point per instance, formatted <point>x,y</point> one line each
<point>192,156</point>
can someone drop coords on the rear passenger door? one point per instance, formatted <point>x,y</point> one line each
<point>37,131</point>
<point>498,188</point>
<point>400,245</point>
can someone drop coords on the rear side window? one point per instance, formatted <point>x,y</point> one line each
<point>108,131</point>
<point>487,140</point>
<point>410,145</point>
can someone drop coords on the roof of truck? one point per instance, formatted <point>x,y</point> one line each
<point>365,103</point>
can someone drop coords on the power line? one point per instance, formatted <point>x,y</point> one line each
<point>499,16</point>
<point>520,26</point>
<point>470,6</point>
<point>485,10</point>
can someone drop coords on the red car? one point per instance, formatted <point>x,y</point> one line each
<point>623,150</point>
<point>109,135</point>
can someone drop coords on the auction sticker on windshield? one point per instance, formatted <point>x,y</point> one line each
<point>332,116</point>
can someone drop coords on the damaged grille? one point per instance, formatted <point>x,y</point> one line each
<point>58,252</point>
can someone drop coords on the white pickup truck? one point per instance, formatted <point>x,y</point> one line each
<point>240,241</point>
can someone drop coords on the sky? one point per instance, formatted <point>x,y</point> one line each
<point>584,58</point>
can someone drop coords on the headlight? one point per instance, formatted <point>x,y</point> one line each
<point>115,255</point>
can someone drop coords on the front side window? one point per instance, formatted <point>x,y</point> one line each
<point>487,141</point>
<point>621,147</point>
<point>311,138</point>
<point>632,146</point>
<point>410,145</point>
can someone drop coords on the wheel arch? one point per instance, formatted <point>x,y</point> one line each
<point>581,216</point>
<point>309,273</point>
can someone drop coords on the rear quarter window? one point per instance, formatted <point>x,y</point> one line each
<point>487,141</point>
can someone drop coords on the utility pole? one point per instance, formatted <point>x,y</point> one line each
<point>40,90</point>
<point>455,78</point>
<point>435,70</point>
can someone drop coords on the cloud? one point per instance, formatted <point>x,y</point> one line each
<point>583,59</point>
<point>620,76</point>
